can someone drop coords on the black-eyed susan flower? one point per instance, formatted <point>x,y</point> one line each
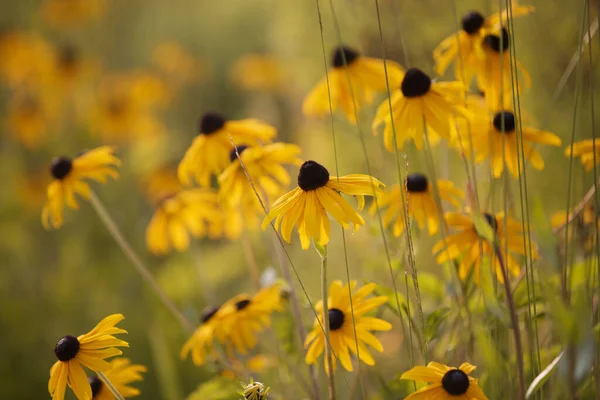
<point>26,59</point>
<point>366,76</point>
<point>584,225</point>
<point>235,220</point>
<point>469,249</point>
<point>121,374</point>
<point>265,166</point>
<point>180,214</point>
<point>257,72</point>
<point>493,70</point>
<point>69,177</point>
<point>201,342</point>
<point>69,13</point>
<point>89,350</point>
<point>587,150</point>
<point>255,391</point>
<point>490,133</point>
<point>341,327</point>
<point>245,316</point>
<point>317,196</point>
<point>465,46</point>
<point>446,383</point>
<point>421,203</point>
<point>210,151</point>
<point>418,102</point>
<point>30,118</point>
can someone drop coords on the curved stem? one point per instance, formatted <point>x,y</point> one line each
<point>137,263</point>
<point>110,386</point>
<point>322,250</point>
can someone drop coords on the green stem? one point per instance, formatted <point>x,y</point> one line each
<point>110,386</point>
<point>322,250</point>
<point>137,263</point>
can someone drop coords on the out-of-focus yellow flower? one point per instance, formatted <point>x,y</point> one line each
<point>584,225</point>
<point>176,63</point>
<point>26,59</point>
<point>265,166</point>
<point>188,212</point>
<point>317,196</point>
<point>367,77</point>
<point>70,13</point>
<point>257,72</point>
<point>71,69</point>
<point>419,102</point>
<point>160,183</point>
<point>210,151</point>
<point>343,325</point>
<point>69,175</point>
<point>587,150</point>
<point>31,189</point>
<point>121,374</point>
<point>237,219</point>
<point>446,383</point>
<point>30,117</point>
<point>90,350</point>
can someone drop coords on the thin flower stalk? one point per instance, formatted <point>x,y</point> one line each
<point>322,250</point>
<point>110,386</point>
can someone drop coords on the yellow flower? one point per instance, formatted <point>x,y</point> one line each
<point>235,324</point>
<point>160,183</point>
<point>69,13</point>
<point>210,151</point>
<point>493,70</point>
<point>121,374</point>
<point>584,225</point>
<point>465,46</point>
<point>317,195</point>
<point>69,175</point>
<point>366,75</point>
<point>264,165</point>
<point>237,219</point>
<point>30,118</point>
<point>446,383</point>
<point>70,70</point>
<point>175,62</point>
<point>180,214</point>
<point>89,350</point>
<point>341,328</point>
<point>257,72</point>
<point>417,102</point>
<point>421,203</point>
<point>587,151</point>
<point>26,59</point>
<point>488,140</point>
<point>468,244</point>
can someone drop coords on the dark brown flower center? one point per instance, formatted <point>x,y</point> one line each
<point>415,83</point>
<point>312,176</point>
<point>68,57</point>
<point>95,384</point>
<point>336,319</point>
<point>504,120</point>
<point>67,348</point>
<point>211,122</point>
<point>60,167</point>
<point>208,313</point>
<point>491,220</point>
<point>472,22</point>
<point>240,305</point>
<point>343,56</point>
<point>455,382</point>
<point>233,155</point>
<point>496,43</point>
<point>417,183</point>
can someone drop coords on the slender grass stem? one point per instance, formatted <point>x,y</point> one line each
<point>110,386</point>
<point>136,261</point>
<point>322,250</point>
<point>514,322</point>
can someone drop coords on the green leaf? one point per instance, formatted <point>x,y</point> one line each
<point>483,228</point>
<point>543,376</point>
<point>434,321</point>
<point>218,388</point>
<point>392,303</point>
<point>489,296</point>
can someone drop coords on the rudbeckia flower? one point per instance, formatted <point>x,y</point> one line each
<point>421,203</point>
<point>317,195</point>
<point>26,59</point>
<point>366,75</point>
<point>265,166</point>
<point>30,118</point>
<point>210,151</point>
<point>201,341</point>
<point>121,374</point>
<point>465,46</point>
<point>468,244</point>
<point>89,350</point>
<point>488,139</point>
<point>341,328</point>
<point>187,212</point>
<point>587,151</point>
<point>417,101</point>
<point>584,225</point>
<point>176,62</point>
<point>446,383</point>
<point>244,317</point>
<point>68,13</point>
<point>257,72</point>
<point>235,220</point>
<point>68,180</point>
<point>493,71</point>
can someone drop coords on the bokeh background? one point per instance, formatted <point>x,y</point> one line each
<point>184,56</point>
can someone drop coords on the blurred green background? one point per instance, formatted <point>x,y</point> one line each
<point>64,281</point>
